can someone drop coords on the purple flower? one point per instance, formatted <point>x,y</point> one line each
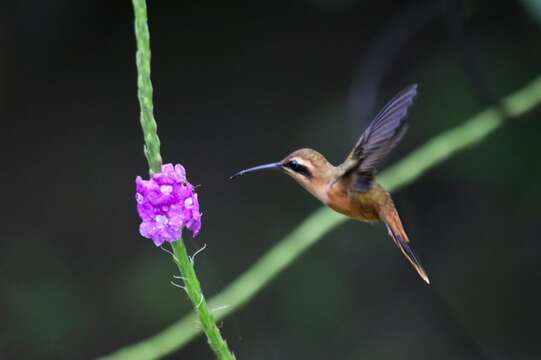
<point>166,203</point>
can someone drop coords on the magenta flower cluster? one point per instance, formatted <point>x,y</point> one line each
<point>167,203</point>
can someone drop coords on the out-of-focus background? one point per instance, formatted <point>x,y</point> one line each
<point>238,84</point>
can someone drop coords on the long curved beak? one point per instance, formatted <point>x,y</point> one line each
<point>272,166</point>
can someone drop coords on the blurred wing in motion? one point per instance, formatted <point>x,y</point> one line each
<point>379,138</point>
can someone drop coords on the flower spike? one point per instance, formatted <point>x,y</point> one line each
<point>167,203</point>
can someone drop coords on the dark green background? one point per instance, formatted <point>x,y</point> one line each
<point>237,84</point>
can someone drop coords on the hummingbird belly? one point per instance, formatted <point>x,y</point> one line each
<point>356,205</point>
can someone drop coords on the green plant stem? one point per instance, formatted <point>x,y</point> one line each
<point>322,221</point>
<point>154,159</point>
<point>144,87</point>
<point>193,289</point>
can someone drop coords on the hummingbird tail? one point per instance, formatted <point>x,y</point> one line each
<point>398,234</point>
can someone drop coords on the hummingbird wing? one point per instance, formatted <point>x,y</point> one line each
<point>379,138</point>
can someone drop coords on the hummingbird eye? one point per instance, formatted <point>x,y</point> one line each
<point>295,166</point>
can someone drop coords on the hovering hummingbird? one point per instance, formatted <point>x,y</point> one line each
<point>350,188</point>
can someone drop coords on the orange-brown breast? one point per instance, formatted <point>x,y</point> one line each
<point>363,206</point>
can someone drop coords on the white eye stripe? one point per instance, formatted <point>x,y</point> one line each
<point>302,162</point>
<point>299,167</point>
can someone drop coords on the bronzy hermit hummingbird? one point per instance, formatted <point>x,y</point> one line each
<point>350,188</point>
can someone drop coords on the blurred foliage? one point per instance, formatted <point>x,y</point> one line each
<point>533,8</point>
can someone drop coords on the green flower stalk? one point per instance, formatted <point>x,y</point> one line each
<point>167,203</point>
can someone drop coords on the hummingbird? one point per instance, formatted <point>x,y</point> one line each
<point>351,188</point>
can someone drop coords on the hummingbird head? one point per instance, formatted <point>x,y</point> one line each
<point>306,166</point>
